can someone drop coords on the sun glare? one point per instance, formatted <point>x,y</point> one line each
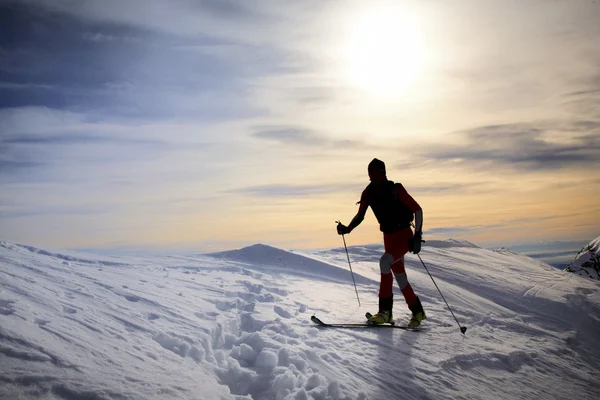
<point>384,52</point>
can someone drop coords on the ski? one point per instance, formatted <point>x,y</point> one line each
<point>364,325</point>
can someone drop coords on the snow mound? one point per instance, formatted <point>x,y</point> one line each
<point>274,259</point>
<point>101,261</point>
<point>587,261</point>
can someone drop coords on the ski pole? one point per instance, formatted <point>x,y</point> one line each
<point>348,256</point>
<point>463,329</point>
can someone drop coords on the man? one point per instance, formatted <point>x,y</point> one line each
<point>394,209</point>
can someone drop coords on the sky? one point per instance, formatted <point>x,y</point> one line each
<point>210,125</point>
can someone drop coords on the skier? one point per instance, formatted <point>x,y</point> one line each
<point>394,209</point>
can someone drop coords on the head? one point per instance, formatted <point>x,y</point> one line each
<point>377,171</point>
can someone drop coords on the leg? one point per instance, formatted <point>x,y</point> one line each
<point>386,298</point>
<point>396,244</point>
<point>407,290</point>
<point>413,302</point>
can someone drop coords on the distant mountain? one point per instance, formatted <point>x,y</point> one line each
<point>587,262</point>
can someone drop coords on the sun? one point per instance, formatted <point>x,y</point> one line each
<point>384,52</point>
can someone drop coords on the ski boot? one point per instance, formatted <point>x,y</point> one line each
<point>416,319</point>
<point>382,317</point>
<point>418,314</point>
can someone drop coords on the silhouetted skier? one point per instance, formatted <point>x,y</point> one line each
<point>394,209</point>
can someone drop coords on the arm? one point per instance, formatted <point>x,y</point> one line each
<point>413,205</point>
<point>414,244</point>
<point>360,215</point>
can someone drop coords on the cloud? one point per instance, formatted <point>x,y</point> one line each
<point>12,166</point>
<point>185,17</point>
<point>25,86</point>
<point>314,95</point>
<point>583,92</point>
<point>317,92</point>
<point>499,225</point>
<point>41,126</point>
<point>64,60</point>
<point>523,146</point>
<point>98,37</point>
<point>41,145</point>
<point>35,120</point>
<point>75,139</point>
<point>585,102</point>
<point>294,136</point>
<point>16,212</point>
<point>295,190</point>
<point>451,188</point>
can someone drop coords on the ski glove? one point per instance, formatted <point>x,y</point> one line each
<point>342,229</point>
<point>414,244</point>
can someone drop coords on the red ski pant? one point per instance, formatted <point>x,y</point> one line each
<point>396,244</point>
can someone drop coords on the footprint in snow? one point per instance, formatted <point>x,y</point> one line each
<point>41,322</point>
<point>6,307</point>
<point>210,315</point>
<point>225,305</point>
<point>69,310</point>
<point>281,312</point>
<point>132,298</point>
<point>301,307</point>
<point>280,292</point>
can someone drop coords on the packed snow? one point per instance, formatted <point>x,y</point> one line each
<point>587,261</point>
<point>236,325</point>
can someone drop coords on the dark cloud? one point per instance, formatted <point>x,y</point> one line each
<point>295,190</point>
<point>181,17</point>
<point>63,61</point>
<point>583,92</point>
<point>64,139</point>
<point>523,146</point>
<point>12,166</point>
<point>586,101</point>
<point>48,48</point>
<point>584,126</point>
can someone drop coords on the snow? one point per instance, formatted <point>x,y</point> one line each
<point>236,325</point>
<point>587,261</point>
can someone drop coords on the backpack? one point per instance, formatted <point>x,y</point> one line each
<point>391,212</point>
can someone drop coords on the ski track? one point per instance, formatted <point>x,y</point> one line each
<point>75,327</point>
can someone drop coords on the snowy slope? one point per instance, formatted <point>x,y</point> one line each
<point>587,262</point>
<point>237,325</point>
